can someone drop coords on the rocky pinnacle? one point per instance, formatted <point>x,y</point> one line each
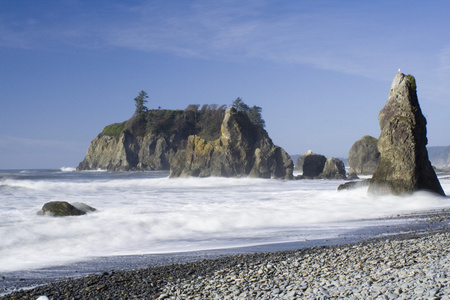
<point>404,165</point>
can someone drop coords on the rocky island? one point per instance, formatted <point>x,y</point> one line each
<point>211,141</point>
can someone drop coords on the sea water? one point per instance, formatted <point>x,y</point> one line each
<point>148,212</point>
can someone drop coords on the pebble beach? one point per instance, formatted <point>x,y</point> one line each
<point>409,266</point>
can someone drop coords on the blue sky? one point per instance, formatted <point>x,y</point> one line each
<point>321,70</point>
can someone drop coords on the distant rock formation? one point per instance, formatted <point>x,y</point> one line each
<point>63,209</point>
<point>242,149</point>
<point>364,156</point>
<point>440,157</point>
<point>334,169</point>
<point>404,166</point>
<point>313,164</point>
<point>300,161</point>
<point>317,166</point>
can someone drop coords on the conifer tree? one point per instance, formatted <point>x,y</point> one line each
<point>253,113</point>
<point>140,100</point>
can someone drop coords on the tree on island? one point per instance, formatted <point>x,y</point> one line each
<point>240,106</point>
<point>253,113</point>
<point>140,100</point>
<point>255,116</point>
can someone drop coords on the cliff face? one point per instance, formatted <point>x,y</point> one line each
<point>128,152</point>
<point>243,149</point>
<point>147,141</point>
<point>404,166</point>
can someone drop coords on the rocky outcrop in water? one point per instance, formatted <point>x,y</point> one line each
<point>190,142</point>
<point>301,161</point>
<point>312,165</point>
<point>334,169</point>
<point>63,209</point>
<point>242,149</point>
<point>364,156</point>
<point>317,166</point>
<point>404,166</point>
<point>351,185</point>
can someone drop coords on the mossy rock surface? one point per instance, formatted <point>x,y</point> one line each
<point>113,130</point>
<point>63,209</point>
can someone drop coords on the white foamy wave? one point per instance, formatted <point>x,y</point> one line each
<point>68,169</point>
<point>94,171</point>
<point>148,213</point>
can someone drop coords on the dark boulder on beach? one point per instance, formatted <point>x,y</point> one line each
<point>243,149</point>
<point>63,208</point>
<point>404,166</point>
<point>334,168</point>
<point>364,156</point>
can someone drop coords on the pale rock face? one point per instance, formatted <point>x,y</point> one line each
<point>128,152</point>
<point>404,166</point>
<point>334,169</point>
<point>104,152</point>
<point>242,150</point>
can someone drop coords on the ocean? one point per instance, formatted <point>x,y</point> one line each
<point>150,213</point>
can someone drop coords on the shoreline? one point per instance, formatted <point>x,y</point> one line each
<point>132,269</point>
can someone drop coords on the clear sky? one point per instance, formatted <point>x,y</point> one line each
<point>320,70</point>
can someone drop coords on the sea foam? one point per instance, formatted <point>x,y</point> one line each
<point>141,213</point>
<point>67,169</point>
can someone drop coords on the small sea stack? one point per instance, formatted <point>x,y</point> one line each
<point>364,156</point>
<point>404,166</point>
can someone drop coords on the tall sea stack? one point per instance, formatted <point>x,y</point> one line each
<point>404,166</point>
